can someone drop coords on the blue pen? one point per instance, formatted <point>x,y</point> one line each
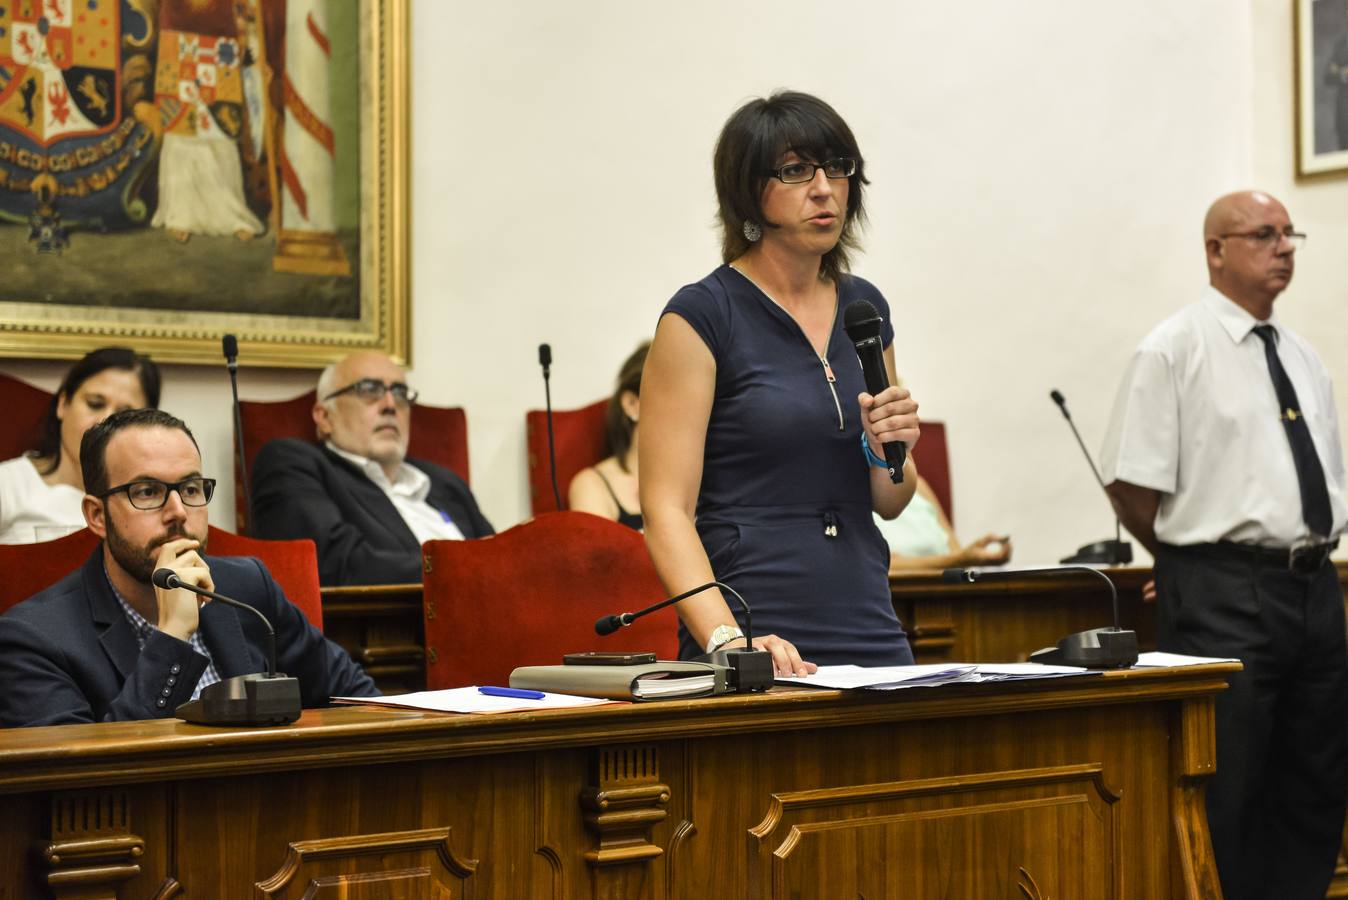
<point>516,693</point>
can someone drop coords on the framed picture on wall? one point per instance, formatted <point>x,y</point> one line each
<point>1322,85</point>
<point>175,170</point>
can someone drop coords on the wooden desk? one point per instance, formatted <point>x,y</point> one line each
<point>1000,621</point>
<point>381,627</point>
<point>1078,788</point>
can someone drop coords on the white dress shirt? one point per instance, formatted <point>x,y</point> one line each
<point>407,492</point>
<point>1197,419</point>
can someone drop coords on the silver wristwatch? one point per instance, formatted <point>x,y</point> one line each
<point>722,635</point>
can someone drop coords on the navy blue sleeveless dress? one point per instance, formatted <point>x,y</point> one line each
<point>784,509</point>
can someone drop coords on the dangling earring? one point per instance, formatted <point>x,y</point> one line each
<point>752,231</point>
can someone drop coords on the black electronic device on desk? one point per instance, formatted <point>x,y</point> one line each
<point>257,699</point>
<point>1098,648</point>
<point>1112,552</point>
<point>748,670</point>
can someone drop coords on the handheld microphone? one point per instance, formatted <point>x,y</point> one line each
<point>1099,648</point>
<point>259,699</point>
<point>230,344</point>
<point>863,325</point>
<point>1115,552</point>
<point>545,360</point>
<point>751,669</point>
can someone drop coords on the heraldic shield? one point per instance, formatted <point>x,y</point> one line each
<point>66,140</point>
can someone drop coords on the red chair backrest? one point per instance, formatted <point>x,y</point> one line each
<point>294,565</point>
<point>579,435</point>
<point>532,593</point>
<point>29,568</point>
<point>24,406</point>
<point>933,461</point>
<point>439,435</point>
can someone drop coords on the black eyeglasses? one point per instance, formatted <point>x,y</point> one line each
<point>801,172</point>
<point>151,493</point>
<point>1268,236</point>
<point>372,390</point>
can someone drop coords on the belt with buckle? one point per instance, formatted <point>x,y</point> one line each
<point>1305,557</point>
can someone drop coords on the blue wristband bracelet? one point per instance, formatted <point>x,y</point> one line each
<point>870,454</point>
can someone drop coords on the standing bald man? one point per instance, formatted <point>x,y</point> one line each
<point>363,502</point>
<point>1223,459</point>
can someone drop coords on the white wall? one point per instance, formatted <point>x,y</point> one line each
<point>1040,171</point>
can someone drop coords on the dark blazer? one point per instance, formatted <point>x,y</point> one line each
<point>68,654</point>
<point>302,490</point>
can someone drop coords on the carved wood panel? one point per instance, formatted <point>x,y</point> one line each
<point>404,865</point>
<point>1051,832</point>
<point>91,850</point>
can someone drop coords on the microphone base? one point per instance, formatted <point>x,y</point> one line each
<point>750,671</point>
<point>256,699</point>
<point>1099,648</point>
<point>1109,553</point>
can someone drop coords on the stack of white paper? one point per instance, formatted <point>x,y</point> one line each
<point>470,700</point>
<point>890,678</point>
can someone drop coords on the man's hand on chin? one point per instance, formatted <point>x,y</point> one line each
<point>178,608</point>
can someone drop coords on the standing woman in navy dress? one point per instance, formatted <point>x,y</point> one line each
<point>754,468</point>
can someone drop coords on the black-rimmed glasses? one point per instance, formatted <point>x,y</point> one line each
<point>151,493</point>
<point>801,172</point>
<point>1268,236</point>
<point>372,390</point>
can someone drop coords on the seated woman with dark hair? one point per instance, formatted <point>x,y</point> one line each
<point>609,487</point>
<point>923,538</point>
<point>41,492</point>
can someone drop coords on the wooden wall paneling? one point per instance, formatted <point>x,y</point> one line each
<point>410,864</point>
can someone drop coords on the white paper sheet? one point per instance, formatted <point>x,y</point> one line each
<point>889,678</point>
<point>1157,658</point>
<point>468,700</point>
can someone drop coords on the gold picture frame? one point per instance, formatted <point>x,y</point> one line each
<point>1321,36</point>
<point>189,310</point>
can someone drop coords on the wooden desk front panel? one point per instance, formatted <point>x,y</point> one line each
<point>1069,790</point>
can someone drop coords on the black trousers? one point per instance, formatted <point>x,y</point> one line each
<point>1276,803</point>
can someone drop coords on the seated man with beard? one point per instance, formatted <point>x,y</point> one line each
<point>104,644</point>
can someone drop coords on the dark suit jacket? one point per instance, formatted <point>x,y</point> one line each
<point>68,654</point>
<point>302,490</point>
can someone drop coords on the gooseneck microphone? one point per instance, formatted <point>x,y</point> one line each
<point>863,325</point>
<point>545,360</point>
<point>751,669</point>
<point>1115,552</point>
<point>259,699</point>
<point>230,344</point>
<point>1099,648</point>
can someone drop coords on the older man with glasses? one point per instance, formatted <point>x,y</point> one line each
<point>1223,459</point>
<point>104,644</point>
<point>356,494</point>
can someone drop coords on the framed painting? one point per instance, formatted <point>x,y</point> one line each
<point>175,170</point>
<point>1322,86</point>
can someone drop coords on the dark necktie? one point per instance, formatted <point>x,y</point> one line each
<point>1314,493</point>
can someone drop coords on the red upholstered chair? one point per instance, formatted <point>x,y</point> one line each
<point>29,568</point>
<point>933,461</point>
<point>24,407</point>
<point>533,593</point>
<point>439,435</point>
<point>294,565</point>
<point>579,435</point>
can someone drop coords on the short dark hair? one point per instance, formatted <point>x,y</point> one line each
<point>752,142</point>
<point>48,445</point>
<point>617,427</point>
<point>94,445</point>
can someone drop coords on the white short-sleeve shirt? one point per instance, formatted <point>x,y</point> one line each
<point>1197,419</point>
<point>32,510</point>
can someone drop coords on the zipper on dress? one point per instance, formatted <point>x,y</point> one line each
<point>830,525</point>
<point>833,389</point>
